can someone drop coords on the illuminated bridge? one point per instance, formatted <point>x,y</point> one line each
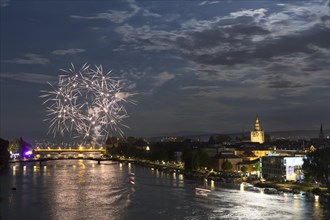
<point>69,153</point>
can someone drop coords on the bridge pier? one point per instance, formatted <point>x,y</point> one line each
<point>99,162</point>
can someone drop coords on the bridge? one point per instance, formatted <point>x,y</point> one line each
<point>40,160</point>
<point>69,153</point>
<point>80,153</point>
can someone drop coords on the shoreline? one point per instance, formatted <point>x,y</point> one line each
<point>229,178</point>
<point>221,178</point>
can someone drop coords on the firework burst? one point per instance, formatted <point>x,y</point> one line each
<point>86,103</point>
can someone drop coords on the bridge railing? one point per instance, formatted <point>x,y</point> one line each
<point>50,150</point>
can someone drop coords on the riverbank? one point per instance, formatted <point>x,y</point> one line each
<point>233,178</point>
<point>295,187</point>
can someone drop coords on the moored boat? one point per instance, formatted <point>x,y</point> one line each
<point>202,191</point>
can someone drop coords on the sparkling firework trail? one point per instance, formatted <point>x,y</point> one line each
<point>86,103</point>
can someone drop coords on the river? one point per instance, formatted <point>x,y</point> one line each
<point>82,189</point>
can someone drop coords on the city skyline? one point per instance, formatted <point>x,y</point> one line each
<point>197,66</point>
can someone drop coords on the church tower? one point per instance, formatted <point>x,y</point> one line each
<point>257,135</point>
<point>321,134</point>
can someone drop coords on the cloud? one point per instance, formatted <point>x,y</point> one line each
<point>198,87</point>
<point>209,2</point>
<point>257,14</point>
<point>4,3</point>
<point>284,49</point>
<point>295,74</point>
<point>147,13</point>
<point>277,81</point>
<point>220,92</point>
<point>239,37</point>
<point>30,77</point>
<point>119,17</point>
<point>263,54</point>
<point>158,81</point>
<point>29,59</point>
<point>68,51</point>
<point>115,16</point>
<point>147,39</point>
<point>162,78</point>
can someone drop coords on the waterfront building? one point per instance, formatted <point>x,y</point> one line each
<point>284,168</point>
<point>257,135</point>
<point>253,153</point>
<point>226,156</point>
<point>178,156</point>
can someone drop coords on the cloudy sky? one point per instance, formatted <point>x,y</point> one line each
<point>197,66</point>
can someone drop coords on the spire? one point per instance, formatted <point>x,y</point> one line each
<point>321,134</point>
<point>257,124</point>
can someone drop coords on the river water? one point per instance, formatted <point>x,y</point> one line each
<point>82,189</point>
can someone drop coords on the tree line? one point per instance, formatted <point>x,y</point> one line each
<point>186,151</point>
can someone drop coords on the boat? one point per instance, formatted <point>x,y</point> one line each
<point>202,191</point>
<point>132,178</point>
<point>253,189</point>
<point>270,191</point>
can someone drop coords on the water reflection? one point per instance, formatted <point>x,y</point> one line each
<point>317,206</point>
<point>14,170</point>
<point>212,185</point>
<point>82,189</point>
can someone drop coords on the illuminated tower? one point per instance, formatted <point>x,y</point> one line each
<point>257,135</point>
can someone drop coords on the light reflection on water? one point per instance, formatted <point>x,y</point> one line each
<point>80,189</point>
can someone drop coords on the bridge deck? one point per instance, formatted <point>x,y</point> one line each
<point>70,150</point>
<point>95,159</point>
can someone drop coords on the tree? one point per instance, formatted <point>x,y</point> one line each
<point>257,167</point>
<point>205,159</point>
<point>187,156</point>
<point>317,166</point>
<point>226,166</point>
<point>267,138</point>
<point>158,154</point>
<point>196,161</point>
<point>223,138</point>
<point>14,145</point>
<point>244,169</point>
<point>200,159</point>
<point>110,143</point>
<point>211,140</point>
<point>130,140</point>
<point>4,153</point>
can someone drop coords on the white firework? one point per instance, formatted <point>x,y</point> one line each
<point>87,103</point>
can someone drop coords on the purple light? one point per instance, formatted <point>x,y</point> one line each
<point>27,153</point>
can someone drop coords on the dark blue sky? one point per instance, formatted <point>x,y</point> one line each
<point>198,66</point>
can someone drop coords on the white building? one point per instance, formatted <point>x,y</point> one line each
<point>282,168</point>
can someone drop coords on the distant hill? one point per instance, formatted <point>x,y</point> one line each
<point>204,136</point>
<point>298,134</point>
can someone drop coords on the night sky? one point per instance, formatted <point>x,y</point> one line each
<point>197,66</point>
